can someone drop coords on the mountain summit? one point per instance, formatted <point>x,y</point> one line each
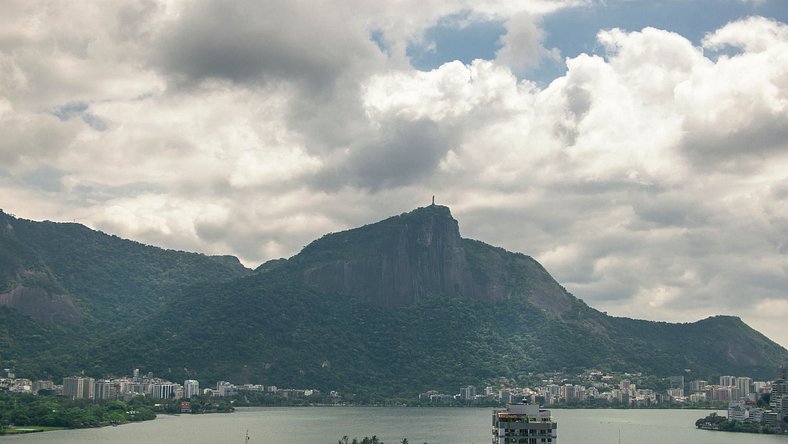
<point>403,259</point>
<point>394,262</point>
<point>393,307</point>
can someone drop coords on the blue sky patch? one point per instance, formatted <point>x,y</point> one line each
<point>79,109</point>
<point>573,30</point>
<point>377,36</point>
<point>69,110</point>
<point>452,39</point>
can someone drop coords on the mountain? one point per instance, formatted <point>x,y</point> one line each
<point>408,304</point>
<point>71,284</point>
<point>398,306</point>
<point>403,259</point>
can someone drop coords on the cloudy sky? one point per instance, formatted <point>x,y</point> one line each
<point>638,149</point>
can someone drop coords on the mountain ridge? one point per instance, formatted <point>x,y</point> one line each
<point>394,306</point>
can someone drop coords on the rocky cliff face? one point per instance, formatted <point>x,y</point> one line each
<point>392,263</point>
<point>405,258</point>
<point>42,306</point>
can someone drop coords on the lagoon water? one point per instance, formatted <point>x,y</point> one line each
<point>310,425</point>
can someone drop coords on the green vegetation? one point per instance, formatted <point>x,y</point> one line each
<point>716,422</point>
<point>267,329</point>
<point>113,280</point>
<point>27,411</point>
<point>110,282</point>
<point>19,413</point>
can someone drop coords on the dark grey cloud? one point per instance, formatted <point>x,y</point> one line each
<point>253,42</point>
<point>735,148</point>
<point>318,57</point>
<point>399,153</point>
<point>674,209</point>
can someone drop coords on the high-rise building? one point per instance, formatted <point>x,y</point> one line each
<point>743,385</point>
<point>78,387</point>
<point>523,423</point>
<point>779,399</point>
<point>698,386</point>
<point>42,385</point>
<point>164,390</point>
<point>105,389</point>
<point>72,387</point>
<point>677,382</point>
<point>779,388</point>
<point>224,388</point>
<point>761,387</point>
<point>191,388</point>
<point>468,393</point>
<point>89,388</point>
<point>728,381</point>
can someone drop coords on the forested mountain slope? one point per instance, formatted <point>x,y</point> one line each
<point>407,304</point>
<point>393,307</point>
<point>72,284</point>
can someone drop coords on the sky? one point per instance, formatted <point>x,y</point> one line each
<point>637,149</point>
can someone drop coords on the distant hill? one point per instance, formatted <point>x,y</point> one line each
<point>393,307</point>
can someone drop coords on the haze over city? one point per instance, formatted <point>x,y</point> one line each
<point>638,150</point>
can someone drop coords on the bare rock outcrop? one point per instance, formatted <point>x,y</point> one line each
<point>42,306</point>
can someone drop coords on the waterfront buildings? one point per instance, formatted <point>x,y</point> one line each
<point>105,389</point>
<point>164,390</point>
<point>523,424</point>
<point>79,388</point>
<point>468,393</point>
<point>779,398</point>
<point>776,417</point>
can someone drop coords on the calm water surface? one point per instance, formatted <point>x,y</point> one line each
<point>310,425</point>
